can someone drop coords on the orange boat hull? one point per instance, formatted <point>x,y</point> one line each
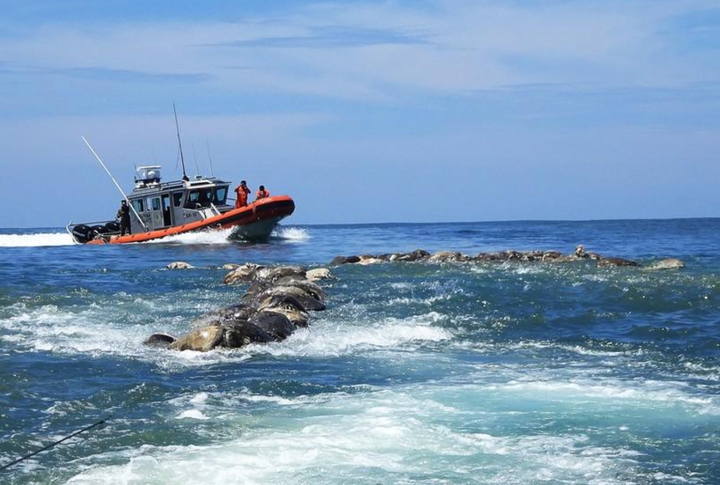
<point>261,210</point>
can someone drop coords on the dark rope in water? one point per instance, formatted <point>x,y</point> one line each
<point>51,445</point>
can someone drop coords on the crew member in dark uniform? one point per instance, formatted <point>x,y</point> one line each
<point>124,215</point>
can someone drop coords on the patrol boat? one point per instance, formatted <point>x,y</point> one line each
<point>159,209</point>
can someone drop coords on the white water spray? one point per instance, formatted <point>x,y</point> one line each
<point>297,234</point>
<point>35,240</point>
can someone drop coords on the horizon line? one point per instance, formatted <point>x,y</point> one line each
<point>496,221</point>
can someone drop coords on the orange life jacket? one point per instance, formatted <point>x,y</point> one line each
<point>242,195</point>
<point>261,194</point>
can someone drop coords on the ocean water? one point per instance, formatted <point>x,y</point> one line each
<point>416,373</point>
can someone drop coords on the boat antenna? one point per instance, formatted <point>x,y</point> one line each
<point>197,169</point>
<point>207,144</point>
<point>114,181</point>
<point>182,158</point>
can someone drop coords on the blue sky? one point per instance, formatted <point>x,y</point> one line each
<point>368,111</point>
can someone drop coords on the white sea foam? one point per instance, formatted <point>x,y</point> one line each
<point>199,398</point>
<point>101,330</point>
<point>524,269</point>
<point>192,414</point>
<point>418,301</point>
<point>478,269</point>
<point>98,330</point>
<point>404,286</point>
<point>49,328</point>
<point>339,338</point>
<point>268,399</point>
<point>578,349</point>
<point>36,240</point>
<point>403,301</point>
<point>375,437</point>
<point>642,393</point>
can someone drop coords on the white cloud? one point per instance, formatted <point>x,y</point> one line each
<point>368,50</point>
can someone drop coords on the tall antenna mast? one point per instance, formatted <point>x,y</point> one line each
<point>182,158</point>
<point>207,143</point>
<point>197,169</point>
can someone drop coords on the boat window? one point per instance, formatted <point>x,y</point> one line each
<point>156,204</point>
<point>138,205</point>
<point>206,197</point>
<point>199,198</point>
<point>193,199</point>
<point>177,198</point>
<point>220,195</point>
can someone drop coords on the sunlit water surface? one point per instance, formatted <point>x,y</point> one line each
<point>432,373</point>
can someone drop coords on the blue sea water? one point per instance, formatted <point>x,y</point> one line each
<point>416,373</point>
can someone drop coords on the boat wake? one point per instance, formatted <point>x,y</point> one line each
<point>297,234</point>
<point>227,236</point>
<point>35,240</point>
<point>224,236</point>
<point>221,236</point>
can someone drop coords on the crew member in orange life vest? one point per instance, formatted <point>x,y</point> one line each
<point>262,193</point>
<point>241,194</point>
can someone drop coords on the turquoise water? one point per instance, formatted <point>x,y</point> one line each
<point>416,373</point>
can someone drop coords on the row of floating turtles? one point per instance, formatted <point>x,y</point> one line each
<point>580,254</point>
<point>279,298</point>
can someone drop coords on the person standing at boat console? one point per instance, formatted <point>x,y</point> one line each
<point>241,191</point>
<point>262,193</point>
<point>124,215</point>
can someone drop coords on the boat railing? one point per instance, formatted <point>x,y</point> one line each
<point>207,212</point>
<point>67,228</point>
<point>96,223</point>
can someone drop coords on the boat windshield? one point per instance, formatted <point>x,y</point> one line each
<point>204,197</point>
<point>220,195</point>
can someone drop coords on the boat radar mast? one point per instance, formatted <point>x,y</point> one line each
<point>182,158</point>
<point>147,176</point>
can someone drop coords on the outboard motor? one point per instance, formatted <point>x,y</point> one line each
<point>113,226</point>
<point>81,233</point>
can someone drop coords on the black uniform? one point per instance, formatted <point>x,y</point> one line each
<point>124,216</point>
